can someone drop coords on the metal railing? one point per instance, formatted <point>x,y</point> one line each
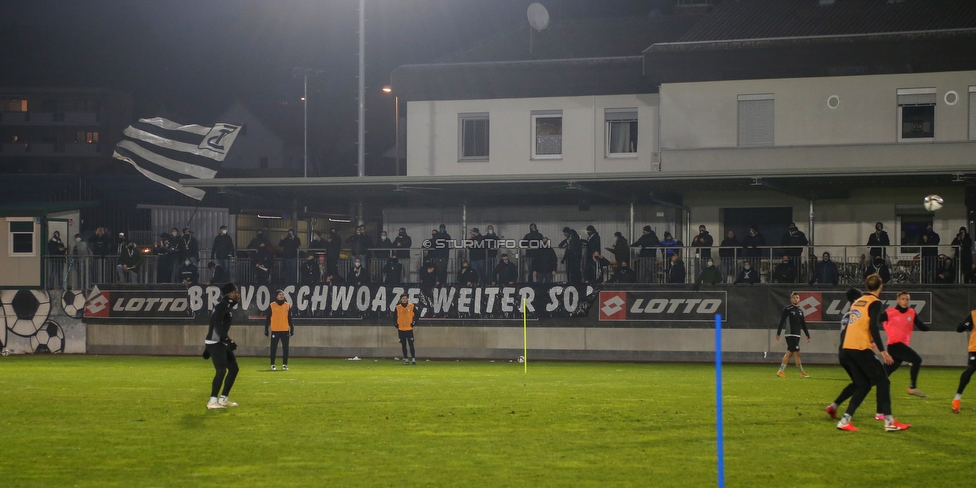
<point>848,265</point>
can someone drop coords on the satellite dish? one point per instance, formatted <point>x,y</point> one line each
<point>538,16</point>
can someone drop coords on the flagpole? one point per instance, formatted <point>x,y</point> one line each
<point>525,344</point>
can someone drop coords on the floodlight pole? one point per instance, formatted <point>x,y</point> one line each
<point>305,73</point>
<point>361,162</point>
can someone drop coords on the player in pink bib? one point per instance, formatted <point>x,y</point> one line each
<point>899,323</point>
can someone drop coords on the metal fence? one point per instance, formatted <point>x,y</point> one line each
<point>848,265</point>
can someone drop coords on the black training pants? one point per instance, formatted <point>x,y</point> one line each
<point>225,364</point>
<point>866,371</point>
<point>283,337</point>
<point>966,375</point>
<point>901,352</point>
<point>406,337</point>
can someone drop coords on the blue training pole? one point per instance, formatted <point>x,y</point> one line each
<point>718,401</point>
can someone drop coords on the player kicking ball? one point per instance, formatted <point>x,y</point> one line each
<point>967,324</point>
<point>220,348</point>
<point>861,340</point>
<point>792,318</point>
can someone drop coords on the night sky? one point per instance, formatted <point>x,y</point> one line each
<point>192,58</point>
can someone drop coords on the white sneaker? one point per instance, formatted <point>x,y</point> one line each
<point>284,367</point>
<point>213,405</point>
<point>272,367</point>
<point>224,403</point>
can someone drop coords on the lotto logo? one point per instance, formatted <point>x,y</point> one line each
<point>97,304</point>
<point>810,303</point>
<point>613,305</point>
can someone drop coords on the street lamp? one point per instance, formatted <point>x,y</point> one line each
<point>305,73</point>
<point>396,125</point>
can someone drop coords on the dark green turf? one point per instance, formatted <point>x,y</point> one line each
<point>141,421</point>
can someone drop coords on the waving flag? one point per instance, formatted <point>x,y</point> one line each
<point>165,151</point>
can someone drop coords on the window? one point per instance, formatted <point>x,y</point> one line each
<point>972,113</point>
<point>621,131</point>
<point>755,127</point>
<point>86,137</point>
<point>473,137</point>
<point>547,134</point>
<point>916,114</point>
<point>13,105</point>
<point>21,237</point>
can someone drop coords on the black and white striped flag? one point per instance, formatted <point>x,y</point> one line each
<point>165,151</point>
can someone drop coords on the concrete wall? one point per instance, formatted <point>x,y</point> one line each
<point>432,137</point>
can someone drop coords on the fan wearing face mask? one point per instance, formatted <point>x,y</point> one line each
<point>189,274</point>
<point>129,260</point>
<point>748,274</point>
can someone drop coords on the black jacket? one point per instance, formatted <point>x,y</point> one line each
<point>784,273</point>
<point>676,273</point>
<point>402,244</point>
<point>647,243</point>
<point>359,244</point>
<point>358,276</point>
<point>427,276</point>
<point>310,271</point>
<point>223,247</point>
<point>794,241</point>
<point>219,275</point>
<point>728,247</point>
<point>703,239</point>
<point>392,273</point>
<point>101,245</point>
<point>546,261</point>
<point>289,247</point>
<point>749,276</point>
<point>220,319</point>
<point>573,245</point>
<point>56,248</point>
<point>878,240</point>
<point>440,245</point>
<point>593,243</point>
<point>505,273</point>
<point>188,273</point>
<point>623,274</point>
<point>467,275</point>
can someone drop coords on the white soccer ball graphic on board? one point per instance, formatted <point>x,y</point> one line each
<point>933,203</point>
<point>521,359</point>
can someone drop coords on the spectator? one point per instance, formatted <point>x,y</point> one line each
<point>385,243</point>
<point>120,243</point>
<point>623,274</point>
<point>402,244</point>
<point>620,249</point>
<point>218,274</point>
<point>963,249</point>
<point>947,271</point>
<point>676,270</point>
<point>164,252</point>
<point>100,243</point>
<point>597,271</point>
<point>188,247</point>
<point>478,253</point>
<point>129,260</point>
<point>747,275</point>
<point>751,243</point>
<point>704,242</point>
<point>393,271</point>
<point>544,266</point>
<point>258,239</point>
<point>710,275</point>
<point>879,267</point>
<point>930,254</point>
<point>727,252</point>
<point>440,251</point>
<point>505,272</point>
<point>317,243</point>
<point>289,256</point>
<point>572,256</point>
<point>310,271</point>
<point>491,243</point>
<point>592,243</point>
<point>358,274</point>
<point>648,241</point>
<point>82,256</point>
<point>671,246</point>
<point>467,276</point>
<point>222,249</point>
<point>793,241</point>
<point>785,271</point>
<point>428,275</point>
<point>333,251</point>
<point>263,263</point>
<point>333,279</point>
<point>531,241</point>
<point>825,272</point>
<point>359,244</point>
<point>879,238</point>
<point>57,253</point>
<point>188,273</point>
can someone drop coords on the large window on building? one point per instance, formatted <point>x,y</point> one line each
<point>755,125</point>
<point>86,137</point>
<point>9,105</point>
<point>547,134</point>
<point>21,237</point>
<point>621,131</point>
<point>473,137</point>
<point>972,113</point>
<point>916,114</point>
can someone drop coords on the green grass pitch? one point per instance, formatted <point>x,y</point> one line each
<point>141,421</point>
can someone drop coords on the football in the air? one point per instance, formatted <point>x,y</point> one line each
<point>933,203</point>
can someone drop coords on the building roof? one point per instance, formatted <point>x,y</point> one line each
<point>571,57</point>
<point>757,39</point>
<point>765,19</point>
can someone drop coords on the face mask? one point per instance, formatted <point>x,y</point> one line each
<point>505,260</point>
<point>826,258</point>
<point>186,263</point>
<point>785,261</point>
<point>77,239</point>
<point>385,238</point>
<point>359,232</point>
<point>358,264</point>
<point>402,233</point>
<point>710,264</point>
<point>702,231</point>
<point>747,267</point>
<point>223,231</point>
<point>878,228</point>
<point>491,231</point>
<point>752,232</point>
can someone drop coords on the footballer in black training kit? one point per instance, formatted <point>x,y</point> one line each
<point>220,348</point>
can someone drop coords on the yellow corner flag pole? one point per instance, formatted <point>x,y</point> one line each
<point>525,346</point>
